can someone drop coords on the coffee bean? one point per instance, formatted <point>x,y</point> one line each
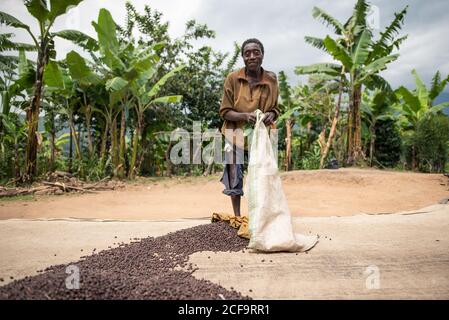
<point>146,269</point>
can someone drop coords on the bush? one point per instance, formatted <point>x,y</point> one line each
<point>311,158</point>
<point>387,147</point>
<point>431,139</point>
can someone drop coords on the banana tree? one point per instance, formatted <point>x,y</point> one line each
<point>286,105</point>
<point>126,71</point>
<point>8,67</point>
<point>307,104</point>
<point>376,106</point>
<point>14,134</point>
<point>44,44</point>
<point>85,79</point>
<point>360,60</point>
<point>59,82</point>
<point>333,128</point>
<point>418,103</point>
<point>146,97</point>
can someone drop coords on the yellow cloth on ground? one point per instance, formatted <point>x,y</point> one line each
<point>240,223</point>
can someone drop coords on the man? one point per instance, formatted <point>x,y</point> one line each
<point>245,91</point>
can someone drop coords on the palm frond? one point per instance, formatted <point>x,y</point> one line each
<point>6,44</point>
<point>360,12</point>
<point>377,82</point>
<point>81,39</point>
<point>338,52</point>
<point>435,85</point>
<point>11,21</point>
<point>328,20</point>
<point>387,42</point>
<point>325,68</point>
<point>316,42</point>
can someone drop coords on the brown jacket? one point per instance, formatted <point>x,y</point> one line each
<point>238,97</point>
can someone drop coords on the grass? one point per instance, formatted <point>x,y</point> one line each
<point>26,197</point>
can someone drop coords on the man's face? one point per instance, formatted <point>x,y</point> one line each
<point>252,56</point>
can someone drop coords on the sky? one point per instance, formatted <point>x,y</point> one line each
<point>280,25</point>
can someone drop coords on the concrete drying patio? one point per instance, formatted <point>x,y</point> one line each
<point>394,256</point>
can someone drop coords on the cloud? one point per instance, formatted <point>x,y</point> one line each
<point>281,26</point>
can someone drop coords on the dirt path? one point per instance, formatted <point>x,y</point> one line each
<point>310,193</point>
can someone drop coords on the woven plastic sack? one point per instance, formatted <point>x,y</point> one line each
<point>270,224</point>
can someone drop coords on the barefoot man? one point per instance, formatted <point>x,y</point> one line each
<point>245,91</point>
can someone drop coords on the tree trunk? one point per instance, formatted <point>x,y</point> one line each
<point>357,144</point>
<point>80,138</point>
<point>322,139</point>
<point>122,147</point>
<point>53,144</point>
<point>333,127</point>
<point>168,163</point>
<point>71,152</point>
<point>114,147</point>
<point>136,140</point>
<point>288,145</point>
<point>349,137</point>
<point>77,144</point>
<point>104,140</point>
<point>413,157</point>
<point>90,144</point>
<point>32,115</point>
<point>371,147</point>
<point>16,161</point>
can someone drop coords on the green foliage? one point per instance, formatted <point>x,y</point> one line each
<point>311,158</point>
<point>12,140</point>
<point>432,143</point>
<point>123,96</point>
<point>388,143</point>
<point>360,58</point>
<point>418,103</point>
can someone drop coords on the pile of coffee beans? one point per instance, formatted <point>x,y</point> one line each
<point>151,268</point>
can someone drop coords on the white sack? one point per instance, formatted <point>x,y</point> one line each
<point>270,223</point>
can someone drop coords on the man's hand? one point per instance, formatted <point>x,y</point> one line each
<point>250,117</point>
<point>268,120</point>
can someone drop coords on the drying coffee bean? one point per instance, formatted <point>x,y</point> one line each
<point>134,271</point>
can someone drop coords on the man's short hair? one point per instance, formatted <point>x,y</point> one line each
<point>252,40</point>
